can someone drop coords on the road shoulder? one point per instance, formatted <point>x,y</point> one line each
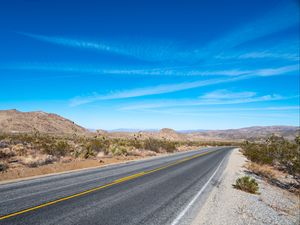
<point>228,206</point>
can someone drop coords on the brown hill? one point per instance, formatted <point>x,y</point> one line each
<point>170,134</point>
<point>14,121</point>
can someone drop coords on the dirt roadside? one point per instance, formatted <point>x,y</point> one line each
<point>228,206</point>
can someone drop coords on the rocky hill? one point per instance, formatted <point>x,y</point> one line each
<point>14,121</point>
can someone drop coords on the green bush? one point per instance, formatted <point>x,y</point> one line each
<point>275,151</point>
<point>258,153</point>
<point>247,184</point>
<point>117,150</point>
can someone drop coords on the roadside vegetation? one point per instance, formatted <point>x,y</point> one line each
<point>275,159</point>
<point>247,184</point>
<point>32,150</point>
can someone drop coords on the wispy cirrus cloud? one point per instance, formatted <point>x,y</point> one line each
<point>168,50</point>
<point>226,94</point>
<point>212,98</point>
<point>187,71</point>
<point>149,50</point>
<point>276,71</point>
<point>160,52</point>
<point>213,111</point>
<point>156,90</point>
<point>170,88</point>
<point>267,54</point>
<point>231,76</point>
<point>276,20</point>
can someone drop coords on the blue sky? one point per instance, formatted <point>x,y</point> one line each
<point>153,64</point>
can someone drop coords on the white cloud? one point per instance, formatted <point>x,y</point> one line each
<point>276,20</point>
<point>225,94</point>
<point>203,102</point>
<point>169,88</point>
<point>160,89</point>
<point>267,54</point>
<point>276,71</point>
<point>153,50</point>
<point>208,111</point>
<point>179,71</point>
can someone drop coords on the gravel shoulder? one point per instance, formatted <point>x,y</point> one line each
<point>228,206</point>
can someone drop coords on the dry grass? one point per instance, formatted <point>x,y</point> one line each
<point>274,176</point>
<point>264,171</point>
<point>38,160</point>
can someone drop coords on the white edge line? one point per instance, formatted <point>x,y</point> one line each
<point>183,212</point>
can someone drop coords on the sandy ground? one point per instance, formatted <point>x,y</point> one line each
<point>228,206</point>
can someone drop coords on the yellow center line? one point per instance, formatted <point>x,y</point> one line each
<point>121,180</point>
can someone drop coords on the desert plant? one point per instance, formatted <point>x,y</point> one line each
<point>19,149</point>
<point>152,144</point>
<point>118,150</point>
<point>6,153</point>
<point>88,152</point>
<point>169,146</point>
<point>276,151</point>
<point>247,184</point>
<point>3,167</point>
<point>38,160</point>
<point>61,148</point>
<point>99,144</point>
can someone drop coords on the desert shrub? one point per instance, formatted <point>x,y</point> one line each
<point>3,167</point>
<point>257,153</point>
<point>99,145</point>
<point>6,153</point>
<point>246,184</point>
<point>156,145</point>
<point>169,146</point>
<point>275,151</point>
<point>61,148</point>
<point>290,159</point>
<point>38,160</point>
<point>152,144</point>
<point>118,150</point>
<point>19,149</point>
<point>136,143</point>
<point>76,153</point>
<point>88,152</point>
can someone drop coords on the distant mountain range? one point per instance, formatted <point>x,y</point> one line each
<point>14,121</point>
<point>256,132</point>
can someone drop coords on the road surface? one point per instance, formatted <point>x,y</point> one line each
<point>161,190</point>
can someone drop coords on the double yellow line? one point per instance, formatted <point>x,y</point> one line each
<point>118,181</point>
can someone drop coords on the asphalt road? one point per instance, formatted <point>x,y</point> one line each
<point>160,190</point>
